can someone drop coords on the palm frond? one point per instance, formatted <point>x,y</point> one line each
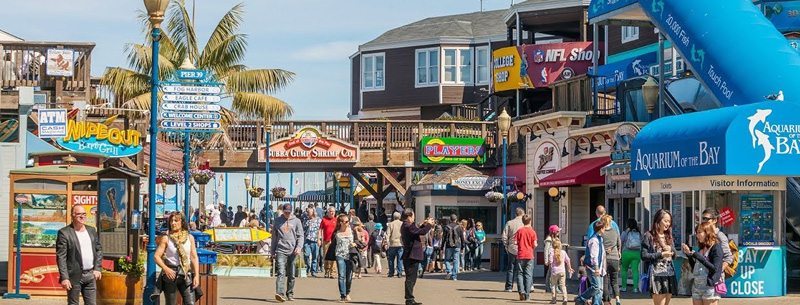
<point>262,106</point>
<point>140,58</point>
<point>125,83</point>
<point>227,53</point>
<point>266,81</point>
<point>227,26</point>
<point>180,29</point>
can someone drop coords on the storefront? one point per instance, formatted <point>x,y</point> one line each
<point>736,160</point>
<point>623,196</point>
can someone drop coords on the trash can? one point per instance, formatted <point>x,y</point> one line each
<point>201,239</point>
<point>208,280</point>
<point>494,259</point>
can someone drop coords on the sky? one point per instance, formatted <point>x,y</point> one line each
<point>312,38</point>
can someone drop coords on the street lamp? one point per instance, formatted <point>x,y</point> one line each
<point>503,124</point>
<point>337,175</point>
<point>650,94</point>
<point>268,129</point>
<point>247,190</point>
<point>155,9</point>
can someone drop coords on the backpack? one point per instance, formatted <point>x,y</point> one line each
<point>452,240</point>
<point>634,243</point>
<point>731,270</point>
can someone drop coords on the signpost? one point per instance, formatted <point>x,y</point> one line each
<point>204,116</point>
<point>186,98</point>
<point>189,125</point>
<point>190,107</point>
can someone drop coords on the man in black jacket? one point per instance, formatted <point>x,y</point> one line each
<point>79,257</point>
<point>413,251</point>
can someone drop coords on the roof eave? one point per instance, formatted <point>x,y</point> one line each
<point>510,14</point>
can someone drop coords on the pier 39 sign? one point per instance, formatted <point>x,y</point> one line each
<point>309,145</point>
<point>760,139</point>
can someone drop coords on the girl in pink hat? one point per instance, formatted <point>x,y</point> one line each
<point>555,231</point>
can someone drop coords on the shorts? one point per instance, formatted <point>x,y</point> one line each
<point>701,291</point>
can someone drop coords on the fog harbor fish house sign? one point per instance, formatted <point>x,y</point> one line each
<point>309,145</point>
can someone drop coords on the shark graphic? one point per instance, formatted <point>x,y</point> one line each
<point>763,140</point>
<point>760,116</point>
<point>597,6</point>
<point>658,6</point>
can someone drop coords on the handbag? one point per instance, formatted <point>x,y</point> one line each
<point>720,288</point>
<point>644,281</point>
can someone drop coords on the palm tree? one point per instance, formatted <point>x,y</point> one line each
<point>221,57</point>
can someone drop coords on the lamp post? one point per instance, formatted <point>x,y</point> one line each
<point>650,95</point>
<point>247,190</point>
<point>503,124</point>
<point>155,9</point>
<point>268,129</point>
<point>337,176</point>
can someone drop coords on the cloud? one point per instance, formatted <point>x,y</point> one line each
<point>326,52</point>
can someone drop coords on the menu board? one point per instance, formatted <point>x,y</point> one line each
<point>677,218</point>
<point>42,216</point>
<point>232,235</point>
<point>655,204</point>
<point>757,220</point>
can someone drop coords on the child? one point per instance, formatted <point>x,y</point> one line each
<point>582,275</point>
<point>559,266</point>
<point>375,242</point>
<point>595,263</point>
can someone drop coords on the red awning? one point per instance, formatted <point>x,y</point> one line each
<point>586,171</point>
<point>169,156</point>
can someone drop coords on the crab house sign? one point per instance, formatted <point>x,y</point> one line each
<point>309,145</point>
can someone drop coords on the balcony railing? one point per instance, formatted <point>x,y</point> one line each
<point>24,63</point>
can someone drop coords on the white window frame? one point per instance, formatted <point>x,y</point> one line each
<point>458,65</point>
<point>373,57</point>
<point>428,83</point>
<point>629,33</point>
<point>488,66</point>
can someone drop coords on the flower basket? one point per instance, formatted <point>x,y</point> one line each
<point>255,191</point>
<point>202,176</point>
<point>494,196</point>
<point>170,177</point>
<point>278,192</point>
<point>515,196</point>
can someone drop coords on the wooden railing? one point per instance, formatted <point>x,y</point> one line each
<point>574,94</point>
<point>377,135</point>
<point>24,63</point>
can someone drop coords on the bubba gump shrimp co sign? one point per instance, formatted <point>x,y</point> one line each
<point>309,145</point>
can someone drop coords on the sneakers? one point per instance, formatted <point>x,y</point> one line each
<point>553,301</point>
<point>290,298</point>
<point>280,298</point>
<point>623,288</point>
<point>507,290</point>
<point>636,290</point>
<point>347,298</point>
<point>448,276</point>
<point>619,303</point>
<point>343,300</point>
<point>521,296</point>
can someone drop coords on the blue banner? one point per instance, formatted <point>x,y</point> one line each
<point>600,7</point>
<point>785,15</point>
<point>612,74</point>
<point>761,273</point>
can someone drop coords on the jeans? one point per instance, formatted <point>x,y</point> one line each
<point>478,257</point>
<point>525,277</point>
<point>513,272</point>
<point>181,284</point>
<point>345,267</point>
<point>469,258</point>
<point>412,266</point>
<point>461,256</point>
<point>86,287</point>
<point>427,260</point>
<point>610,282</point>
<point>451,258</point>
<point>395,257</point>
<point>594,291</point>
<point>285,267</point>
<point>631,259</point>
<point>310,252</point>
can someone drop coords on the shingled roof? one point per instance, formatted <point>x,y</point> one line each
<point>468,26</point>
<point>451,174</point>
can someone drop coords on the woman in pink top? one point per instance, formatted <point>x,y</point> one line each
<point>559,265</point>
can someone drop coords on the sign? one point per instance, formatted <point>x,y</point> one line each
<point>203,116</point>
<point>52,123</point>
<point>623,138</point>
<point>726,217</point>
<point>453,150</point>
<point>60,62</point>
<point>309,145</point>
<point>84,199</point>
<point>655,204</point>
<point>547,160</point>
<point>191,98</point>
<point>766,139</point>
<point>474,183</point>
<point>232,235</point>
<point>677,218</point>
<point>190,107</point>
<point>192,74</point>
<point>600,7</point>
<point>101,138</point>
<point>719,183</point>
<point>535,66</point>
<point>38,272</point>
<point>191,89</point>
<point>190,125</point>
<point>757,221</point>
<point>761,273</point>
<point>113,215</point>
<point>784,15</point>
<point>610,75</point>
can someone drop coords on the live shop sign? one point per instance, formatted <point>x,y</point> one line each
<point>309,145</point>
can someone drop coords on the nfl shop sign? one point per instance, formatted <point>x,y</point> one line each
<point>534,66</point>
<point>546,160</point>
<point>84,199</point>
<point>309,145</point>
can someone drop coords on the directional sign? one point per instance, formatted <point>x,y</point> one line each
<point>189,125</point>
<point>191,98</point>
<point>191,74</point>
<point>203,116</point>
<point>192,89</point>
<point>190,107</point>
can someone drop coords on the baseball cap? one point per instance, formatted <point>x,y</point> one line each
<point>287,208</point>
<point>554,228</point>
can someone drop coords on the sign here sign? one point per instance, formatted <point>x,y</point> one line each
<point>453,150</point>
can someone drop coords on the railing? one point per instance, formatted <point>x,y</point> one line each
<point>374,135</point>
<point>24,63</point>
<point>574,94</point>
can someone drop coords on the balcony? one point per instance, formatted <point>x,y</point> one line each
<point>24,63</point>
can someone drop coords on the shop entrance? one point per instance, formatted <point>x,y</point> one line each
<point>597,196</point>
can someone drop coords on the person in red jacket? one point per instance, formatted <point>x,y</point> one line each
<point>327,226</point>
<point>525,239</point>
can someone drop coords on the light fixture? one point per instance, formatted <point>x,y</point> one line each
<point>247,181</point>
<point>156,9</point>
<point>650,94</point>
<point>338,175</point>
<point>592,148</point>
<point>556,194</point>
<point>69,159</point>
<point>504,123</point>
<point>531,130</point>
<point>164,187</point>
<point>578,148</point>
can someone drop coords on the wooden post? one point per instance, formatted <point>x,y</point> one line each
<point>408,182</point>
<point>452,129</point>
<point>420,134</point>
<point>388,144</point>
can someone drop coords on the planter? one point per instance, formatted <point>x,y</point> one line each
<point>202,179</point>
<point>117,289</point>
<point>279,194</point>
<point>255,193</point>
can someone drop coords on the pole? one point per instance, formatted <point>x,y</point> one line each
<point>661,75</point>
<point>151,234</point>
<point>336,183</point>
<point>352,198</point>
<point>266,157</point>
<point>505,198</point>
<point>18,261</point>
<point>226,192</point>
<point>186,175</point>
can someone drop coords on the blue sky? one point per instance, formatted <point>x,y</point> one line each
<point>312,38</point>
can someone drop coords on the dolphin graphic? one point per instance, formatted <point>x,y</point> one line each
<point>763,140</point>
<point>760,116</point>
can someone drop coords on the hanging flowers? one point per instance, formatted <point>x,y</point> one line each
<point>255,191</point>
<point>515,196</point>
<point>278,192</point>
<point>494,196</point>
<point>169,176</point>
<point>202,176</point>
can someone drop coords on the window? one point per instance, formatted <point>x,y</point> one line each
<point>372,69</point>
<point>629,33</point>
<point>457,66</point>
<point>486,215</point>
<point>482,61</point>
<point>427,64</point>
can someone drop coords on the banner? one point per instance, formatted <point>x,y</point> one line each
<point>309,144</point>
<point>101,138</point>
<point>761,273</point>
<point>453,150</point>
<point>784,15</point>
<point>112,216</point>
<point>535,66</point>
<point>39,272</point>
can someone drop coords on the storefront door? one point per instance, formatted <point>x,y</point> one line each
<point>597,196</point>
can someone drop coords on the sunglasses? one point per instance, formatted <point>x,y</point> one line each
<point>80,215</point>
<point>708,219</point>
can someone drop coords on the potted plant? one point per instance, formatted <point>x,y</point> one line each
<point>170,177</point>
<point>124,286</point>
<point>278,192</point>
<point>202,176</point>
<point>513,196</point>
<point>494,196</point>
<point>255,191</point>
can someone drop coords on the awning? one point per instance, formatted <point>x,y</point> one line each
<point>586,171</point>
<point>169,156</point>
<point>754,139</point>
